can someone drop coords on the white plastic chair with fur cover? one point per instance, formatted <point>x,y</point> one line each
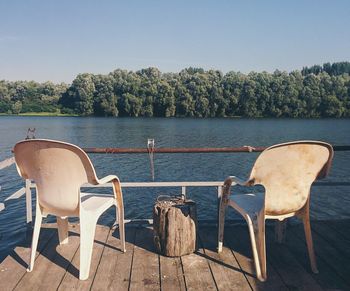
<point>59,170</point>
<point>287,172</point>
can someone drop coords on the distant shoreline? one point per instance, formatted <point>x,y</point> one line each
<point>40,114</point>
<point>54,114</point>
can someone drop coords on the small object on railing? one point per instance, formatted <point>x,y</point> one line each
<point>150,148</point>
<point>174,225</point>
<point>30,133</point>
<point>250,148</point>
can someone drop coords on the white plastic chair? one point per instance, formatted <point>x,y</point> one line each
<point>59,170</point>
<point>287,172</point>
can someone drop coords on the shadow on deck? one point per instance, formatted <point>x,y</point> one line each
<point>57,267</point>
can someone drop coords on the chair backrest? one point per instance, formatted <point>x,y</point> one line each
<point>287,171</point>
<point>58,169</point>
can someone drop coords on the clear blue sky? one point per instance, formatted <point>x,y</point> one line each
<point>56,40</point>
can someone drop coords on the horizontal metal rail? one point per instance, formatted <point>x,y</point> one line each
<point>27,190</point>
<point>19,193</point>
<point>244,149</point>
<point>161,184</point>
<point>6,163</point>
<point>184,184</point>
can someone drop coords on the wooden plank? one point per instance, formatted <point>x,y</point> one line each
<point>338,241</point>
<point>113,272</point>
<point>51,264</point>
<point>327,277</point>
<point>14,266</point>
<point>286,265</point>
<point>341,227</point>
<point>197,271</point>
<point>71,279</point>
<point>237,238</point>
<point>334,258</point>
<point>171,274</point>
<point>226,271</point>
<point>145,267</point>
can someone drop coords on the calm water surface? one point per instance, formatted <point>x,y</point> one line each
<point>327,202</point>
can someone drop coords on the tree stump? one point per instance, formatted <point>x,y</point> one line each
<point>174,226</point>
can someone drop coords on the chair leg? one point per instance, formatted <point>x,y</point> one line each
<point>120,218</point>
<point>280,231</point>
<point>221,226</point>
<point>120,208</point>
<point>87,234</point>
<point>262,246</point>
<point>310,247</point>
<point>62,225</point>
<point>257,237</point>
<point>36,232</point>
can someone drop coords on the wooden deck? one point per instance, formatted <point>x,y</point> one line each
<point>57,267</point>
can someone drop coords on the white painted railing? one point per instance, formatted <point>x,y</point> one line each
<point>6,163</point>
<point>183,185</point>
<point>27,190</point>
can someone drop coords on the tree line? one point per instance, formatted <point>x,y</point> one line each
<point>318,91</point>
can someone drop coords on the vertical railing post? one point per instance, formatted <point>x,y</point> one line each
<point>183,192</point>
<point>218,202</point>
<point>29,201</point>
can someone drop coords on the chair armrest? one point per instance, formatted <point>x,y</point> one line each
<point>117,189</point>
<point>233,180</point>
<point>107,179</point>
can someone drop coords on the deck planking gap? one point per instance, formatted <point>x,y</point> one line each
<point>114,269</point>
<point>14,266</point>
<point>142,268</point>
<point>51,264</point>
<point>226,271</point>
<point>326,277</point>
<point>70,280</point>
<point>145,267</point>
<point>238,240</point>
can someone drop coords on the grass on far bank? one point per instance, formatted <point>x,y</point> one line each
<point>39,114</point>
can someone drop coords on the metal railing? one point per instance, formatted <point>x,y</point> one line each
<point>29,185</point>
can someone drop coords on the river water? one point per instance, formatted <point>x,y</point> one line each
<point>327,202</point>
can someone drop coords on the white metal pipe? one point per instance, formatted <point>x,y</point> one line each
<point>29,201</point>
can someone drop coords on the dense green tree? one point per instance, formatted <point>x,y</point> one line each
<point>17,107</point>
<point>164,100</point>
<point>105,101</point>
<point>247,105</point>
<point>81,93</point>
<point>334,69</point>
<point>331,106</point>
<point>130,105</point>
<point>317,91</point>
